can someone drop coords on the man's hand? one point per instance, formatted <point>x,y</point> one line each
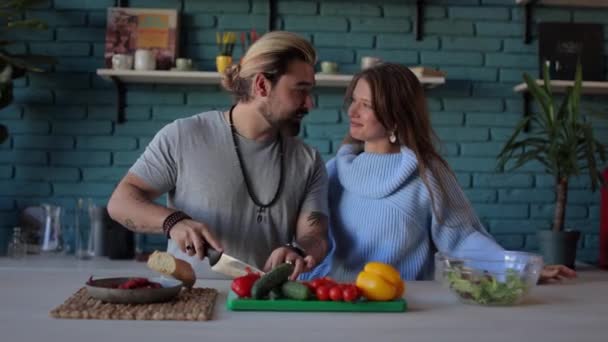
<point>285,254</point>
<point>193,237</point>
<point>551,273</point>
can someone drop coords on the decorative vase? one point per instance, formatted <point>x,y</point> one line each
<point>222,63</point>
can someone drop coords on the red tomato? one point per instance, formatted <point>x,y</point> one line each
<point>329,282</point>
<point>322,292</point>
<point>315,283</point>
<point>350,293</point>
<point>335,293</point>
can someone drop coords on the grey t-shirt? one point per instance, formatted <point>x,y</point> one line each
<point>194,160</point>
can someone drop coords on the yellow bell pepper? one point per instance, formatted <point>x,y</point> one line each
<point>381,282</point>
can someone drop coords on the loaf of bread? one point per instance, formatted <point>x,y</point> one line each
<point>167,264</point>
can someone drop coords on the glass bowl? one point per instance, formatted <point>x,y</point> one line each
<point>497,278</point>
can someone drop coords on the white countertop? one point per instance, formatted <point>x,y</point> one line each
<point>571,311</point>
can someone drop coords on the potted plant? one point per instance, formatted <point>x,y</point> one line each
<point>13,66</point>
<point>562,141</point>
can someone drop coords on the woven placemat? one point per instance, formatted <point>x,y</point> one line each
<point>195,304</point>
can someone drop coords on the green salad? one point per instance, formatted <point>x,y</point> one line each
<point>484,288</point>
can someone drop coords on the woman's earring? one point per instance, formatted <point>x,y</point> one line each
<point>392,138</point>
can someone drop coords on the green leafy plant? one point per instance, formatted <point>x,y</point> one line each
<point>560,138</point>
<point>13,66</point>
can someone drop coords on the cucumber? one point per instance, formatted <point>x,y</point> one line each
<point>276,293</point>
<point>295,290</point>
<point>270,280</point>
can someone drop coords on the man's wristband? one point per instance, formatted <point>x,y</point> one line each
<point>172,220</point>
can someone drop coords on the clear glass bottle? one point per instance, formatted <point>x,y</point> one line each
<point>16,247</point>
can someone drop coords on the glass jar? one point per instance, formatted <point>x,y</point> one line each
<point>17,248</point>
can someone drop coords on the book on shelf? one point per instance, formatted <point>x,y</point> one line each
<point>129,29</point>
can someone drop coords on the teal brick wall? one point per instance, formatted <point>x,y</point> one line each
<point>65,143</point>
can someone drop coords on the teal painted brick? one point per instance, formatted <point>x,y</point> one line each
<point>492,90</point>
<point>500,134</point>
<point>135,113</point>
<point>21,157</point>
<point>594,212</point>
<point>481,195</point>
<point>594,16</point>
<point>218,99</point>
<point>233,6</point>
<point>11,112</point>
<point>83,128</point>
<point>113,174</point>
<point>32,96</point>
<point>473,105</point>
<point>26,127</point>
<point>6,144</point>
<point>7,204</point>
<point>484,149</point>
<point>546,211</point>
<point>502,180</point>
<point>96,18</point>
<point>353,9</point>
<point>6,172</point>
<point>472,164</point>
<point>323,146</point>
<point>16,48</point>
<point>79,64</point>
<point>399,41</point>
<point>242,22</point>
<point>531,243</point>
<point>588,256</point>
<point>531,166</point>
<point>498,29</point>
<point>430,12</point>
<point>154,97</point>
<point>513,45</point>
<point>103,112</point>
<point>361,40</point>
<point>336,55</point>
<point>41,173</point>
<point>126,158</point>
<point>44,142</point>
<point>83,189</point>
<point>170,113</point>
<point>492,119</point>
<point>59,18</point>
<point>510,241</point>
<point>61,49</point>
<point>8,220</point>
<point>92,34</point>
<point>85,96</point>
<point>310,23</point>
<point>462,134</point>
<point>479,13</point>
<point>585,226</point>
<point>60,80</point>
<point>323,116</point>
<point>434,104</point>
<point>202,52</point>
<point>397,56</point>
<point>449,27</point>
<point>138,128</point>
<point>514,75</point>
<point>106,143</point>
<point>29,35</point>
<point>326,131</point>
<point>518,226</point>
<point>80,158</point>
<point>11,188</point>
<point>199,20</point>
<point>580,182</point>
<point>83,4</point>
<point>592,241</point>
<point>528,195</point>
<point>383,25</point>
<point>297,7</point>
<point>449,149</point>
<point>170,4</point>
<point>464,179</point>
<point>542,14</point>
<point>511,60</point>
<point>502,210</point>
<point>583,197</point>
<point>471,73</point>
<point>470,44</point>
<point>452,58</point>
<point>447,118</point>
<point>54,112</point>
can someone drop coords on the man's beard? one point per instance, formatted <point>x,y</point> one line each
<point>290,126</point>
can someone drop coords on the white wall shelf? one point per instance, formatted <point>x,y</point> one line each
<point>122,77</point>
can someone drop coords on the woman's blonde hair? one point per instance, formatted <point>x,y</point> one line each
<point>269,55</point>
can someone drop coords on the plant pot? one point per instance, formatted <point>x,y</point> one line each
<point>558,248</point>
<point>222,63</point>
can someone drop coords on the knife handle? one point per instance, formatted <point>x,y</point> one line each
<point>213,255</point>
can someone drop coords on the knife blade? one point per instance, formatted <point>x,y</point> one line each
<point>228,265</point>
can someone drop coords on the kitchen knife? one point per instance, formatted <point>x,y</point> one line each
<point>228,265</point>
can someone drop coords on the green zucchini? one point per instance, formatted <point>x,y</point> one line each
<point>272,279</point>
<point>295,290</point>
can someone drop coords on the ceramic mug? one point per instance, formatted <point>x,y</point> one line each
<point>328,67</point>
<point>183,64</point>
<point>368,62</point>
<point>145,60</point>
<point>222,63</point>
<point>122,62</point>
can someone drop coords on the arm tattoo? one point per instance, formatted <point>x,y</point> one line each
<point>317,219</point>
<point>314,239</point>
<point>130,224</point>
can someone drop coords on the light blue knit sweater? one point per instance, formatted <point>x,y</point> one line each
<point>380,210</point>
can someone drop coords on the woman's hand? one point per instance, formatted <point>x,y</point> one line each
<point>551,273</point>
<point>284,254</point>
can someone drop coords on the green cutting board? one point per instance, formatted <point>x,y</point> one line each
<point>235,303</point>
